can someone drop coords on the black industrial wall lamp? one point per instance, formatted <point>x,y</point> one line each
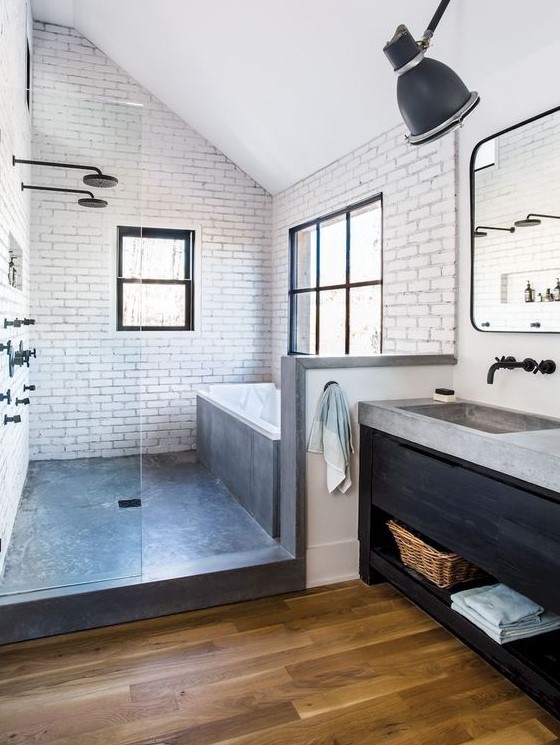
<point>432,98</point>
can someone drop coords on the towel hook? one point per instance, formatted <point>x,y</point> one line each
<point>331,382</point>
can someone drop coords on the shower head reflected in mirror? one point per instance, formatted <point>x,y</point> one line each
<point>97,179</point>
<point>480,230</point>
<point>88,201</point>
<point>533,219</point>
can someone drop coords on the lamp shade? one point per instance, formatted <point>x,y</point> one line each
<point>432,98</point>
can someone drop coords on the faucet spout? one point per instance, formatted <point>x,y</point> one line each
<point>510,363</point>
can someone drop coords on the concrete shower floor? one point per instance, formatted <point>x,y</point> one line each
<point>69,529</point>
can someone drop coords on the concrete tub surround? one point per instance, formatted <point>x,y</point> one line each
<point>533,457</point>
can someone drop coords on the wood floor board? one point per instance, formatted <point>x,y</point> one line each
<point>341,665</point>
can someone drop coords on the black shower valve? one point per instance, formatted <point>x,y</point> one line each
<point>6,397</point>
<point>15,419</point>
<point>29,322</point>
<point>6,347</point>
<point>30,353</point>
<point>22,401</point>
<point>28,388</point>
<point>16,323</point>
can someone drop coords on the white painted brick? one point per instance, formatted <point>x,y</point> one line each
<point>98,388</point>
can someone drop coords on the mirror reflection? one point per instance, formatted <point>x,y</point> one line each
<point>515,190</point>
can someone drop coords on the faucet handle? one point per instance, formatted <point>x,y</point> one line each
<point>547,367</point>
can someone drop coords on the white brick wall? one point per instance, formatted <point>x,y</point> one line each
<point>14,226</point>
<point>524,180</point>
<point>107,393</point>
<point>419,224</point>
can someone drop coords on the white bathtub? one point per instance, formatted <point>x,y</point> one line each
<point>255,404</point>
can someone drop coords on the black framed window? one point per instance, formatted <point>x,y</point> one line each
<point>155,287</point>
<point>336,282</point>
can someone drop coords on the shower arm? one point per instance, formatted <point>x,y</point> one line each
<point>54,188</point>
<point>548,217</point>
<point>52,164</point>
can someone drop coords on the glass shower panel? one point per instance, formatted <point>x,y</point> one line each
<point>77,517</point>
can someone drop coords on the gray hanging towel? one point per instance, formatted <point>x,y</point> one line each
<point>331,435</point>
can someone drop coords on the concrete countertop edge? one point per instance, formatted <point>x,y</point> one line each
<point>499,453</point>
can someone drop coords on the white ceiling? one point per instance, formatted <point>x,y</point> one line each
<point>284,87</point>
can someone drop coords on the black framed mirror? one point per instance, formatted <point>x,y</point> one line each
<point>515,228</point>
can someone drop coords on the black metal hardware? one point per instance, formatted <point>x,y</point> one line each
<point>15,419</point>
<point>479,231</point>
<point>536,325</point>
<point>486,324</point>
<point>98,178</point>
<point>331,382</point>
<point>547,367</point>
<point>28,388</point>
<point>16,323</point>
<point>22,401</point>
<point>88,201</point>
<point>6,347</point>
<point>29,322</point>
<point>6,397</point>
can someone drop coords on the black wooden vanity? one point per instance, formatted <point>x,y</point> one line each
<point>508,528</point>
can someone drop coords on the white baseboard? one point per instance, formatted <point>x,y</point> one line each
<point>332,562</point>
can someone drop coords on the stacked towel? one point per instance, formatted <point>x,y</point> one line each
<point>331,435</point>
<point>503,614</point>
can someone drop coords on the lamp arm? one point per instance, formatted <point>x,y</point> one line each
<point>432,25</point>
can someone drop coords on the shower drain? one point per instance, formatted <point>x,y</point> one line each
<point>123,503</point>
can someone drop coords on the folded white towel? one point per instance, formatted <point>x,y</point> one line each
<point>501,605</point>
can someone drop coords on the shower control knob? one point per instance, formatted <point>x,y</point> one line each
<point>6,347</point>
<point>29,388</point>
<point>6,397</point>
<point>15,419</point>
<point>22,401</point>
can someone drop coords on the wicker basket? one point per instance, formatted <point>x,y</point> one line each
<point>443,568</point>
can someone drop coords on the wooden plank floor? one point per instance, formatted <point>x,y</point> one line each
<point>341,665</point>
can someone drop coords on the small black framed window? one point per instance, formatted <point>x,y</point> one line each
<point>336,282</point>
<point>155,285</point>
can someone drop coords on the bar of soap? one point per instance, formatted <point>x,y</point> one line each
<point>446,395</point>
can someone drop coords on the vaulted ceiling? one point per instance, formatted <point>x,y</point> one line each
<point>284,87</point>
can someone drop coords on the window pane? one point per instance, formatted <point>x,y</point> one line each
<point>305,310</point>
<point>365,243</point>
<point>365,320</point>
<point>153,258</point>
<point>153,305</point>
<point>333,252</point>
<point>332,320</point>
<point>306,257</point>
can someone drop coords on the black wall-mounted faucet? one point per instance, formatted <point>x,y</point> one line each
<point>22,401</point>
<point>546,367</point>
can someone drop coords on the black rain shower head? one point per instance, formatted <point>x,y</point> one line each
<point>97,179</point>
<point>480,230</point>
<point>88,201</point>
<point>533,220</point>
<point>92,202</point>
<point>100,180</point>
